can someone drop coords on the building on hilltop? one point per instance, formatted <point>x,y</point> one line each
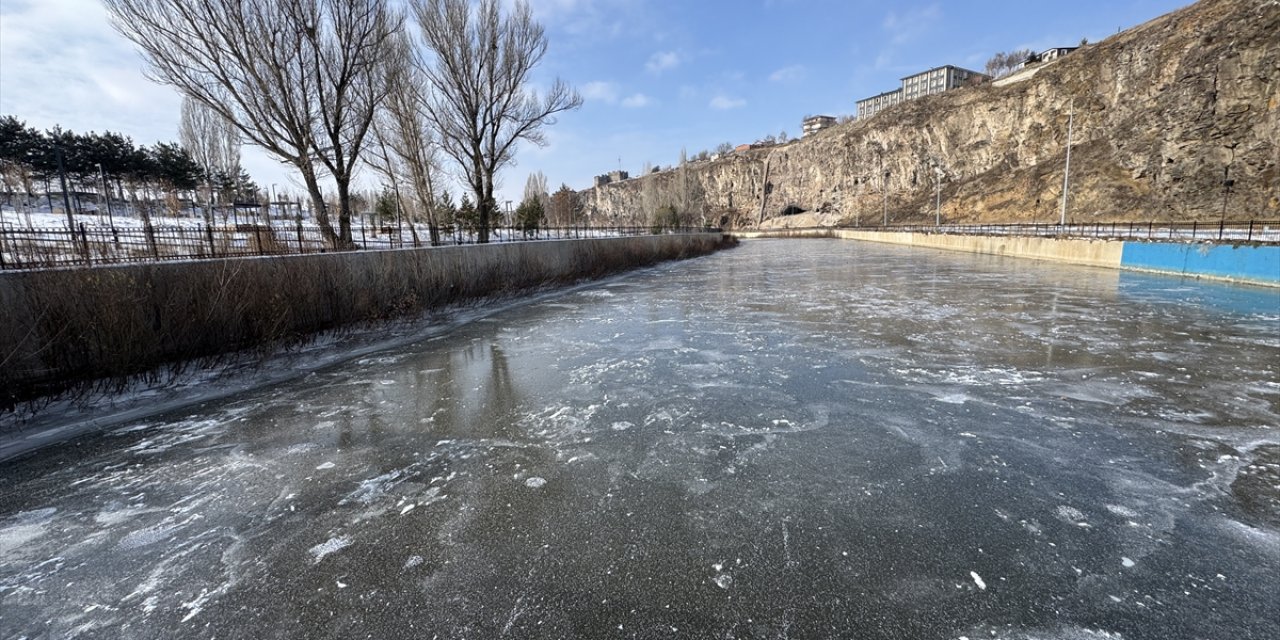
<point>814,124</point>
<point>1055,53</point>
<point>1048,55</point>
<point>868,107</point>
<point>612,176</point>
<point>925,83</point>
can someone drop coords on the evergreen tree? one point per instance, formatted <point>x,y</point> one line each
<point>530,214</point>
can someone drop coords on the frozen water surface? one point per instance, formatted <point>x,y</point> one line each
<point>804,439</point>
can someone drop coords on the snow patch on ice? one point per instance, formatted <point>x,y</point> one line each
<point>332,545</point>
<point>147,536</point>
<point>1123,512</point>
<point>1071,515</point>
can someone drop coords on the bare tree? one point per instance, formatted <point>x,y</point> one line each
<point>404,147</point>
<point>1003,63</point>
<point>212,142</point>
<point>300,78</point>
<point>689,197</point>
<point>566,208</point>
<point>479,62</point>
<point>536,187</point>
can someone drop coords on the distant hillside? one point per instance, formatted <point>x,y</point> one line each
<point>1160,111</point>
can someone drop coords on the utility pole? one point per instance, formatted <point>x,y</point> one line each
<point>885,188</point>
<point>1227,182</point>
<point>1066,172</point>
<point>937,196</point>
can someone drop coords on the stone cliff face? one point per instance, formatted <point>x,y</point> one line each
<point>1160,112</point>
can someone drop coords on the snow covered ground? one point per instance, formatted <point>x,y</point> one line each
<point>40,239</point>
<point>799,439</point>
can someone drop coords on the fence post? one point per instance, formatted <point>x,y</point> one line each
<point>1221,224</point>
<point>1193,229</point>
<point>1250,239</point>
<point>151,239</point>
<point>300,248</point>
<point>213,251</point>
<point>84,244</point>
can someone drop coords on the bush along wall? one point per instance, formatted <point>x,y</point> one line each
<point>60,329</point>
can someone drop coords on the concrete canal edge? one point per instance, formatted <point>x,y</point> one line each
<point>1242,263</point>
<point>60,327</point>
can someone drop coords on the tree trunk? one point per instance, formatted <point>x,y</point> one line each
<point>428,199</point>
<point>322,212</point>
<point>344,212</point>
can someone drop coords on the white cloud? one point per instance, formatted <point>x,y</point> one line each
<point>606,92</point>
<point>909,26</point>
<point>724,103</point>
<point>792,73</point>
<point>662,60</point>
<point>637,101</point>
<point>63,65</point>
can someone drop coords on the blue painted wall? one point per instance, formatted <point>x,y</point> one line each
<point>1245,262</point>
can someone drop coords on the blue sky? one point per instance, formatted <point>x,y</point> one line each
<point>656,75</point>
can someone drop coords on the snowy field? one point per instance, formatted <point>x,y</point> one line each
<point>793,439</point>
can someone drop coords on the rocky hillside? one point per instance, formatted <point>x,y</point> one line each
<point>1161,111</point>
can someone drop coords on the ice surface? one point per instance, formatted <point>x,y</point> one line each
<point>784,440</point>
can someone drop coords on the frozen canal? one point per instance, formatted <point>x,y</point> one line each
<point>792,439</point>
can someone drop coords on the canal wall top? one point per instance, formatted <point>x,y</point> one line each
<point>1244,263</point>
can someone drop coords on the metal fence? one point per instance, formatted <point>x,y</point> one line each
<point>1263,231</point>
<point>34,248</point>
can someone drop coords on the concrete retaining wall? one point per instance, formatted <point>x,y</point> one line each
<point>1239,263</point>
<point>59,327</point>
<point>1098,253</point>
<point>1252,264</point>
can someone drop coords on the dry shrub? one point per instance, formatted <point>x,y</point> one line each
<point>64,328</point>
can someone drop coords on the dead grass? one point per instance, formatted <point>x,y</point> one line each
<point>65,330</point>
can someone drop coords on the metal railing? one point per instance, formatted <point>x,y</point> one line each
<point>1263,231</point>
<point>42,248</point>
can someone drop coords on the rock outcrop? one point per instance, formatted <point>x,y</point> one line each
<point>1164,114</point>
